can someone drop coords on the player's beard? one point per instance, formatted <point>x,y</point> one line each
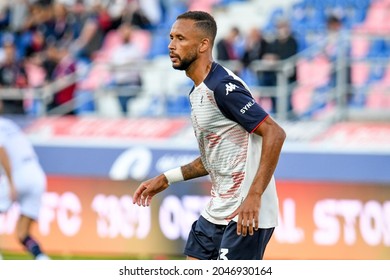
<point>185,62</point>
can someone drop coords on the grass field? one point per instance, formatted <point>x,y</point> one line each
<point>24,256</point>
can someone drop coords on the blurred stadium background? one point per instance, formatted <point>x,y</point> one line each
<point>334,172</point>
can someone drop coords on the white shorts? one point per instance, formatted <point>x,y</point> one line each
<point>30,184</point>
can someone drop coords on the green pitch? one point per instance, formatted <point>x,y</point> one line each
<point>25,256</point>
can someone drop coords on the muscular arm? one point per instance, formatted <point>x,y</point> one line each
<point>273,138</point>
<point>194,169</point>
<point>148,189</point>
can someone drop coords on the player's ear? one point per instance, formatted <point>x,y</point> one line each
<point>204,45</point>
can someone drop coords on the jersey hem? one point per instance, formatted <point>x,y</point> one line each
<point>226,222</point>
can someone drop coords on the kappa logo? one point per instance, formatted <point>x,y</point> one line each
<point>230,87</point>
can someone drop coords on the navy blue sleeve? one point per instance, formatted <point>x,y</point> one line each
<point>237,104</point>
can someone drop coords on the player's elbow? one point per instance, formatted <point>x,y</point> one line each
<point>283,134</point>
<point>279,135</point>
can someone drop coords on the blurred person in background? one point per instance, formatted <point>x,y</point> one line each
<point>4,15</point>
<point>152,11</point>
<point>39,17</point>
<point>283,47</point>
<point>239,146</point>
<point>63,24</point>
<point>337,35</point>
<point>123,62</point>
<point>90,37</point>
<point>255,48</point>
<point>136,13</point>
<point>18,14</point>
<point>12,75</point>
<point>22,180</point>
<point>59,64</point>
<point>36,46</point>
<point>227,47</point>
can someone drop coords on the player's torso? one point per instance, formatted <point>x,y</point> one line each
<point>16,144</point>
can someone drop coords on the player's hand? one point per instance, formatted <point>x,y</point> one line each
<point>248,215</point>
<point>145,192</point>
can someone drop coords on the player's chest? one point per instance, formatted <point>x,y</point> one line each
<point>205,113</point>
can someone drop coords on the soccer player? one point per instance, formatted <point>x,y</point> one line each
<point>22,180</point>
<point>239,147</point>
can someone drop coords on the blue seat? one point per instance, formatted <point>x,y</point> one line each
<point>177,105</point>
<point>84,102</point>
<point>159,45</point>
<point>378,49</point>
<point>377,72</point>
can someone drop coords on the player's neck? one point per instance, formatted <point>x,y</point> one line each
<point>199,71</point>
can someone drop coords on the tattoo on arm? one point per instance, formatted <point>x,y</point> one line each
<point>194,169</point>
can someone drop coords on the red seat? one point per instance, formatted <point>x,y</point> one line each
<point>98,76</point>
<point>302,98</point>
<point>377,18</point>
<point>378,97</point>
<point>359,46</point>
<point>112,40</point>
<point>386,78</point>
<point>315,72</point>
<point>360,72</point>
<point>202,5</point>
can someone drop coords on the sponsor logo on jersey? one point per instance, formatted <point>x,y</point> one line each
<point>230,87</point>
<point>247,106</point>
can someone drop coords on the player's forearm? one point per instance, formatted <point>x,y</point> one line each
<point>194,169</point>
<point>189,171</point>
<point>272,145</point>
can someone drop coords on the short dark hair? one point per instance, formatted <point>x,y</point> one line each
<point>203,21</point>
<point>333,19</point>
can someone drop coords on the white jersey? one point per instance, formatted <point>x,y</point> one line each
<point>14,141</point>
<point>224,114</point>
<point>28,175</point>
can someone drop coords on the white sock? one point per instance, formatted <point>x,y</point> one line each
<point>42,257</point>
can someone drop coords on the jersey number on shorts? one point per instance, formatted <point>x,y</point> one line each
<point>223,253</point>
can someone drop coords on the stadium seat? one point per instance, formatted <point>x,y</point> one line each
<point>376,21</point>
<point>302,98</point>
<point>112,40</point>
<point>159,44</point>
<point>359,73</point>
<point>145,105</point>
<point>360,46</point>
<point>171,13</point>
<point>313,72</point>
<point>377,72</point>
<point>378,97</point>
<point>359,97</point>
<point>96,77</point>
<point>202,5</point>
<point>275,15</point>
<point>177,105</point>
<point>378,48</point>
<point>320,102</point>
<point>84,102</point>
<point>107,105</point>
<point>386,77</point>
